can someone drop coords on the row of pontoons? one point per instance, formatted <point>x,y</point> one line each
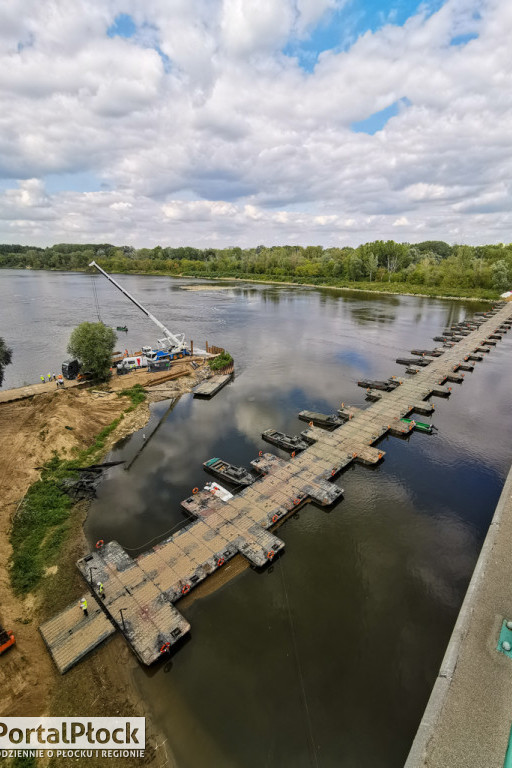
<point>139,594</point>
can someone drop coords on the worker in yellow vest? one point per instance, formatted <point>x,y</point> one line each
<point>101,590</point>
<point>83,606</point>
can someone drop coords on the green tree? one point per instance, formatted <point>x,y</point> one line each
<point>500,276</point>
<point>370,263</point>
<point>355,267</point>
<point>5,358</point>
<point>92,344</point>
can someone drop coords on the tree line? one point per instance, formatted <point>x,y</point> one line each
<point>432,266</point>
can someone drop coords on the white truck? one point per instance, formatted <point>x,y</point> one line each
<point>131,363</point>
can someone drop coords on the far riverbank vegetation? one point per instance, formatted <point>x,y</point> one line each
<point>431,267</point>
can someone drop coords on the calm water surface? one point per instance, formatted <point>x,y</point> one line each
<point>328,658</point>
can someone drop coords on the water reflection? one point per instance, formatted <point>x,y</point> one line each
<point>357,612</point>
<point>353,619</point>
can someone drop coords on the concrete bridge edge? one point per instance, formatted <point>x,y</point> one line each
<point>434,709</point>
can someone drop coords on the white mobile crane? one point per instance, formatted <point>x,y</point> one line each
<point>173,345</point>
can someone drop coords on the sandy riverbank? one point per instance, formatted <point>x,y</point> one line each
<point>101,685</point>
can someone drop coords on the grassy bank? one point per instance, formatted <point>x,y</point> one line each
<point>44,517</point>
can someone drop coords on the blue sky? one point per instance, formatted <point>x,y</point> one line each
<point>341,28</point>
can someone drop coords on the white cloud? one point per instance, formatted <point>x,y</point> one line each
<point>230,141</point>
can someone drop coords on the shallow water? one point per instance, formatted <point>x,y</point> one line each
<point>328,658</point>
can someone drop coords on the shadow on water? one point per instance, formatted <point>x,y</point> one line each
<point>328,657</point>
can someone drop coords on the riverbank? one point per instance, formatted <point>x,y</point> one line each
<point>74,423</point>
<point>380,288</point>
<point>66,422</point>
<point>467,720</point>
<point>385,288</point>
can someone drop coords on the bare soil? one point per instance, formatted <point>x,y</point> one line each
<point>31,430</point>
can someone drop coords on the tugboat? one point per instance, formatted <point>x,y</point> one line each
<point>321,419</point>
<point>228,472</point>
<point>386,386</point>
<point>286,442</point>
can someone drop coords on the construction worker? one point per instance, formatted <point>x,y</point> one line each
<point>42,379</point>
<point>101,590</point>
<point>49,377</point>
<point>54,376</point>
<point>83,606</point>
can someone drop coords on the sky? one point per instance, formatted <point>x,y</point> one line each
<point>216,123</point>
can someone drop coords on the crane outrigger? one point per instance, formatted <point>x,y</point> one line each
<point>172,344</point>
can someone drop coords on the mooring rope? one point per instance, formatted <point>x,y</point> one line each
<point>160,535</point>
<point>299,667</point>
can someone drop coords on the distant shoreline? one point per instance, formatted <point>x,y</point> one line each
<point>234,279</point>
<point>331,287</point>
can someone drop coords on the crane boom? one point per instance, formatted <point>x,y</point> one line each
<point>172,340</point>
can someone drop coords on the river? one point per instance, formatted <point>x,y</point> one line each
<point>328,657</point>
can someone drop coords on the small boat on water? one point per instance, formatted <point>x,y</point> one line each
<point>229,472</point>
<point>122,328</point>
<point>219,491</point>
<point>321,419</point>
<point>287,442</point>
<point>421,426</point>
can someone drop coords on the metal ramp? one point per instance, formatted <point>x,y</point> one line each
<point>70,635</point>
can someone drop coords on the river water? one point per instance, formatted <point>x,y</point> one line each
<point>328,658</point>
